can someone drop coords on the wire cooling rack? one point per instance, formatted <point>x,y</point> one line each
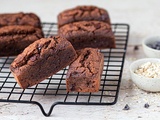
<point>53,89</point>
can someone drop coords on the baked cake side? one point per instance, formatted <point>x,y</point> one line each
<point>42,59</point>
<point>20,19</point>
<point>83,13</point>
<point>84,34</point>
<point>14,39</point>
<point>84,74</point>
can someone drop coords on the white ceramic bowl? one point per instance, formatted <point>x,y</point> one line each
<point>150,52</point>
<point>147,84</point>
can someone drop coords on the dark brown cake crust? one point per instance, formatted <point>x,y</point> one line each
<point>20,19</point>
<point>85,72</point>
<point>14,39</point>
<point>84,34</point>
<point>42,59</point>
<point>83,13</point>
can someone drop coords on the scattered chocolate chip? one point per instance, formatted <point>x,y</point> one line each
<point>136,47</point>
<point>146,105</point>
<point>126,107</point>
<point>139,117</point>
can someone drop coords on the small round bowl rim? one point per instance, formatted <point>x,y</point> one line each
<point>142,82</point>
<point>150,38</point>
<point>139,60</point>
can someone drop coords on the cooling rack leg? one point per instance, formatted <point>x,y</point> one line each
<point>42,109</point>
<point>33,102</point>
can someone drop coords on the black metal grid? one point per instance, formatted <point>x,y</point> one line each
<point>54,86</point>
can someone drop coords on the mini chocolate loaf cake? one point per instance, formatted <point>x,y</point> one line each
<point>84,73</point>
<point>20,19</point>
<point>84,34</point>
<point>14,39</point>
<point>42,59</point>
<point>83,13</point>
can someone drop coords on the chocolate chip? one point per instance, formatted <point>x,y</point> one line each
<point>126,107</point>
<point>97,26</point>
<point>136,47</point>
<point>18,20</point>
<point>89,83</point>
<point>74,73</point>
<point>72,87</point>
<point>146,105</point>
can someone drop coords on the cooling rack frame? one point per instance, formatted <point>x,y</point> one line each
<point>110,81</point>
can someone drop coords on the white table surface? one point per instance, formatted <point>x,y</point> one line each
<point>143,16</point>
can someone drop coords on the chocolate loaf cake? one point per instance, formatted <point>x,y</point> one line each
<point>83,13</point>
<point>42,59</point>
<point>84,73</point>
<point>20,19</point>
<point>14,39</point>
<point>84,34</point>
